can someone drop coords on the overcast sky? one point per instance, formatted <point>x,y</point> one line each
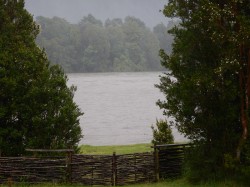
<point>74,10</point>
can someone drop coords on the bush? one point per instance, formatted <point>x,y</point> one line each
<point>162,133</point>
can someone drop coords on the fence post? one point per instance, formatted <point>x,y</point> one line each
<point>114,170</point>
<point>69,166</point>
<point>157,168</point>
<point>135,168</point>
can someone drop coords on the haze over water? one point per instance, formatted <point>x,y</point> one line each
<point>119,107</point>
<point>73,11</point>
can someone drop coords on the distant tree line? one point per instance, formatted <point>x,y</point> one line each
<point>93,46</point>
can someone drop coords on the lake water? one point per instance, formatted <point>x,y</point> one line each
<point>119,108</point>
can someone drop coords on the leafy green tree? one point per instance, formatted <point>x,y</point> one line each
<point>162,133</point>
<point>59,38</point>
<point>90,19</point>
<point>209,59</point>
<point>116,39</point>
<point>95,57</point>
<point>36,106</point>
<point>165,39</point>
<point>141,45</point>
<point>150,45</point>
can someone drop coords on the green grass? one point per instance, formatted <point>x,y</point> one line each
<point>119,149</point>
<point>174,183</point>
<point>184,183</point>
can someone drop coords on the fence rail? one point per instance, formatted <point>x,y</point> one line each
<point>109,170</point>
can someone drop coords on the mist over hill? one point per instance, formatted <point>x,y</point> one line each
<point>74,10</point>
<point>102,35</point>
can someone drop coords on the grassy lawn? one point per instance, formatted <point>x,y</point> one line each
<point>184,183</point>
<point>174,183</point>
<point>119,149</point>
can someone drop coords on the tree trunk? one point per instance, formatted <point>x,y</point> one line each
<point>245,94</point>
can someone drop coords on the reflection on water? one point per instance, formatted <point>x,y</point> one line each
<point>119,108</point>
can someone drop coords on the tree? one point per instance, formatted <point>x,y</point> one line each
<point>59,38</point>
<point>162,133</point>
<point>116,39</point>
<point>165,39</point>
<point>207,86</point>
<point>141,45</point>
<point>95,55</point>
<point>36,106</point>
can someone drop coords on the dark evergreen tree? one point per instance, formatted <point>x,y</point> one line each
<point>36,106</point>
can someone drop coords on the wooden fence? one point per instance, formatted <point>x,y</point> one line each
<point>169,160</point>
<point>92,170</point>
<point>112,170</point>
<point>33,170</point>
<point>135,168</point>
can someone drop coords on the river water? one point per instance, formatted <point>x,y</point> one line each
<point>119,108</point>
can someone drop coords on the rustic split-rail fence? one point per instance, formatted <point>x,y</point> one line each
<point>164,162</point>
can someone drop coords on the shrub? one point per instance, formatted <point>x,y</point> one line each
<point>162,133</point>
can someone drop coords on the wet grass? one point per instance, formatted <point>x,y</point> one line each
<point>174,183</point>
<point>119,149</point>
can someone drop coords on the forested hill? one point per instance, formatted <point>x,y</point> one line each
<point>93,46</point>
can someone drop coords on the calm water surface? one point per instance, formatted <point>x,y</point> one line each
<point>119,108</point>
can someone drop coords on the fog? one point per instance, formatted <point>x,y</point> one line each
<point>74,10</point>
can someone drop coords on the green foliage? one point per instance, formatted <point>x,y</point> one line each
<point>91,46</point>
<point>202,85</point>
<point>165,39</point>
<point>162,133</point>
<point>36,106</point>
